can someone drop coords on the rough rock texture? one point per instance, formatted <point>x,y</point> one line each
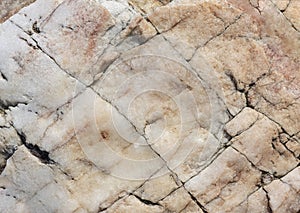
<point>10,7</point>
<point>150,106</point>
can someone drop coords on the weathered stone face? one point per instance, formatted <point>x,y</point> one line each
<point>149,106</point>
<point>10,7</point>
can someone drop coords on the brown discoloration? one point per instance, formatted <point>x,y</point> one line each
<point>87,22</point>
<point>10,7</point>
<point>246,7</point>
<point>105,135</point>
<point>96,30</point>
<point>24,60</point>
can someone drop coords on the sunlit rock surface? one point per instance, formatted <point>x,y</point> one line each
<point>149,106</point>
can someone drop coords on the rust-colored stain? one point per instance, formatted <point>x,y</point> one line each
<point>104,135</point>
<point>93,23</point>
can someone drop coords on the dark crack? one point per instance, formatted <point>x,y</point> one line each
<point>212,159</point>
<point>283,10</point>
<point>288,20</point>
<point>256,7</point>
<point>268,199</point>
<point>43,156</point>
<point>196,201</point>
<point>5,104</point>
<point>6,152</point>
<point>3,76</point>
<point>43,51</point>
<point>28,43</point>
<point>35,150</point>
<point>224,30</point>
<point>244,130</point>
<point>35,27</point>
<point>145,201</point>
<point>103,209</point>
<point>251,163</point>
<point>234,82</point>
<point>217,35</point>
<point>68,73</point>
<point>288,149</point>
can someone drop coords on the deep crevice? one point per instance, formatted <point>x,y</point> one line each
<point>234,81</point>
<point>35,28</point>
<point>268,199</point>
<point>196,201</point>
<point>5,104</point>
<point>35,150</point>
<point>145,201</point>
<point>28,43</point>
<point>3,76</point>
<point>248,102</point>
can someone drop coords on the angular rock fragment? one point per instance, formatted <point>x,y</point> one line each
<point>158,188</point>
<point>204,21</point>
<point>177,201</point>
<point>294,146</point>
<point>291,11</point>
<point>225,183</point>
<point>9,142</point>
<point>259,141</point>
<point>288,199</point>
<point>29,73</point>
<point>40,182</point>
<point>256,202</point>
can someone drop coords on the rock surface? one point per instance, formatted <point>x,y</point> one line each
<point>149,106</point>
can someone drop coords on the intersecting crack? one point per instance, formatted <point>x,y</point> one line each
<point>286,7</point>
<point>257,7</point>
<point>43,156</point>
<point>115,107</point>
<point>219,34</point>
<point>282,12</point>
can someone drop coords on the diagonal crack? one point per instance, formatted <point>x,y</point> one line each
<point>282,12</point>
<point>196,201</point>
<point>43,51</point>
<point>102,209</point>
<point>218,34</point>
<point>244,130</point>
<point>74,77</point>
<point>145,201</point>
<point>35,150</point>
<point>3,76</point>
